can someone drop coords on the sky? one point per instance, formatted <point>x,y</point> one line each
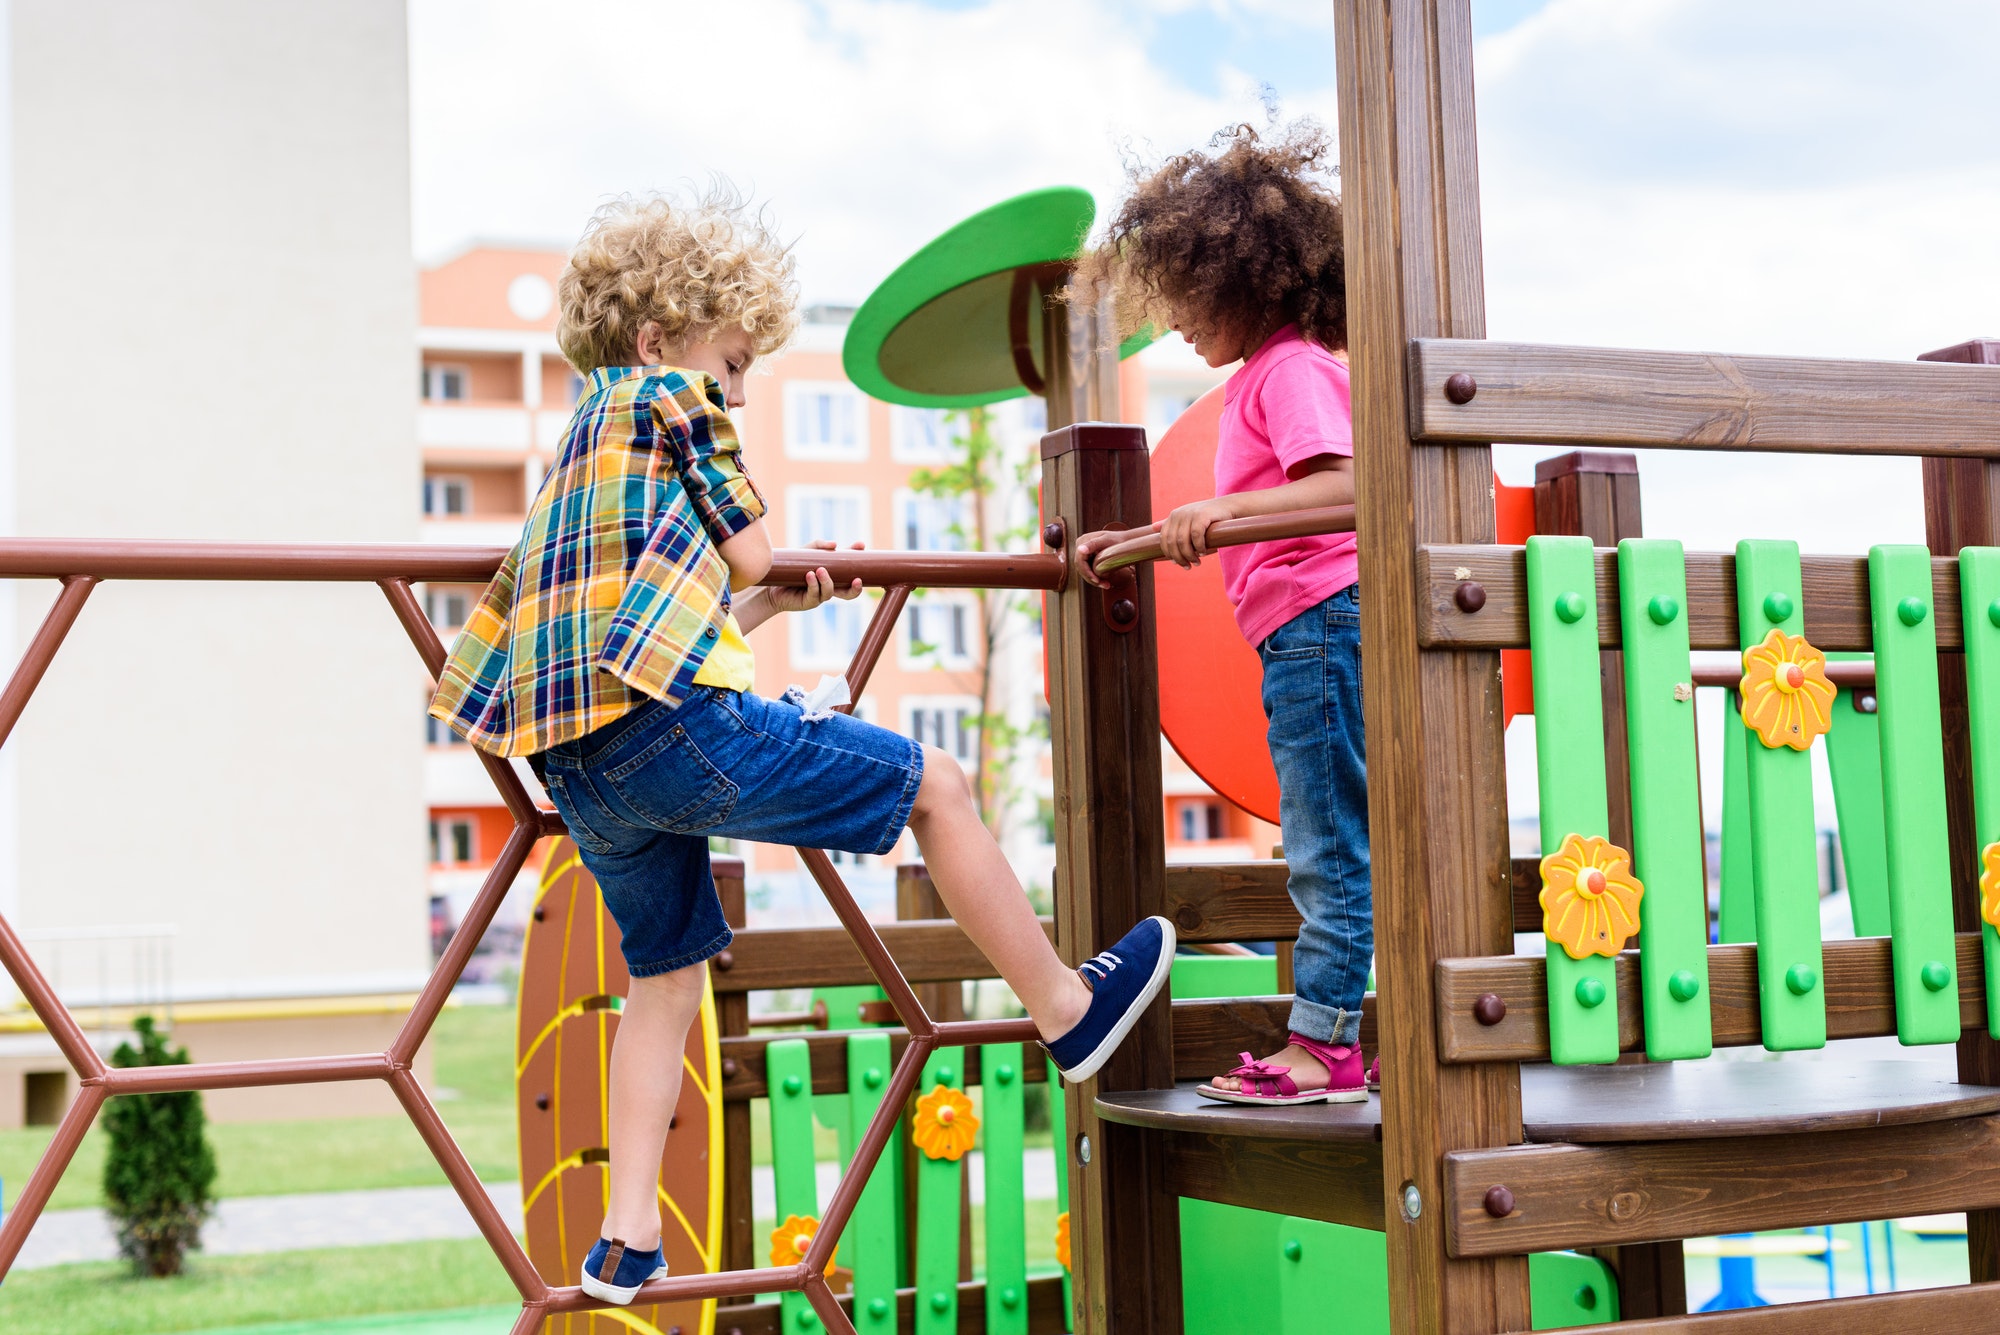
<point>1814,177</point>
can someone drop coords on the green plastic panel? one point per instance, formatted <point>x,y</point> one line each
<point>940,1183</point>
<point>1002,1131</point>
<point>1569,758</point>
<point>1923,954</point>
<point>1854,762</point>
<point>1979,585</point>
<point>1736,914</point>
<point>1229,1270</point>
<point>1784,840</point>
<point>868,1247</point>
<point>1668,851</point>
<point>1059,1138</point>
<point>1207,976</point>
<point>795,1187</point>
<point>1327,1268</point>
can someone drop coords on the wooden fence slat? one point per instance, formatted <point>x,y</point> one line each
<point>1627,398</point>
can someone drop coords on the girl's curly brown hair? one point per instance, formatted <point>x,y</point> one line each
<point>1245,237</point>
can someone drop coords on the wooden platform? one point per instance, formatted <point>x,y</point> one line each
<point>1608,1104</point>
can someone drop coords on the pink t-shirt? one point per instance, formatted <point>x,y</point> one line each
<point>1287,404</point>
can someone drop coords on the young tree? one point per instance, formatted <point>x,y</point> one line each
<point>158,1167</point>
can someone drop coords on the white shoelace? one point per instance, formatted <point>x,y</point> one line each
<point>1103,963</point>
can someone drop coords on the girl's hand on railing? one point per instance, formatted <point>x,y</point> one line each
<point>1184,533</point>
<point>819,586</point>
<point>1090,544</point>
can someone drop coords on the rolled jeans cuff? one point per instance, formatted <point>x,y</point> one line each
<point>1327,1024</point>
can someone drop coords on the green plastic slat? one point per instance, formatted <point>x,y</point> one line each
<point>1668,850</point>
<point>1854,762</point>
<point>1059,1138</point>
<point>1568,1289</point>
<point>1569,758</point>
<point>1206,976</point>
<point>1784,841</point>
<point>1228,1265</point>
<point>868,1246</point>
<point>1002,1130</point>
<point>795,1187</point>
<point>1736,915</point>
<point>940,1183</point>
<point>1979,585</point>
<point>1923,955</point>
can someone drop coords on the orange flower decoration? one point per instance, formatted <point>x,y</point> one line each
<point>1590,899</point>
<point>790,1240</point>
<point>1062,1239</point>
<point>1989,883</point>
<point>1787,699</point>
<point>945,1126</point>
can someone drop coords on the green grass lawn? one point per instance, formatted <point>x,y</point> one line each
<point>247,1290</point>
<point>474,1051</point>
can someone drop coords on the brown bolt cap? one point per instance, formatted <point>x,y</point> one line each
<point>729,1068</point>
<point>1499,1202</point>
<point>1460,387</point>
<point>724,961</point>
<point>542,1102</point>
<point>1052,535</point>
<point>1124,612</point>
<point>1470,596</point>
<point>1489,1009</point>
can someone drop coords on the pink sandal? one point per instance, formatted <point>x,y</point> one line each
<point>1266,1084</point>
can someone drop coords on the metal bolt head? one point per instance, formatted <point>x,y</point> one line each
<point>1083,1149</point>
<point>1052,535</point>
<point>1460,387</point>
<point>1499,1202</point>
<point>1470,596</point>
<point>1489,1009</point>
<point>1865,702</point>
<point>1413,1202</point>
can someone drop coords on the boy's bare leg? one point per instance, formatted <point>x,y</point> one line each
<point>645,1086</point>
<point>984,895</point>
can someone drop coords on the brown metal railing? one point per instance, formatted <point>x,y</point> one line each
<point>82,565</point>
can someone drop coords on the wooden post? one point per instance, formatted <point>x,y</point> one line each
<point>1962,509</point>
<point>732,1020</point>
<point>1110,872</point>
<point>1436,767</point>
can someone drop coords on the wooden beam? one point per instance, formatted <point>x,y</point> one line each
<point>1650,1191</point>
<point>1045,1311</point>
<point>1836,599</point>
<point>1338,1181</point>
<point>1628,398</point>
<point>1437,789</point>
<point>1231,901</point>
<point>762,958</point>
<point>1963,1307</point>
<point>1859,1000</point>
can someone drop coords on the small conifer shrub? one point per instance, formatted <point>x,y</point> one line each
<point>158,1167</point>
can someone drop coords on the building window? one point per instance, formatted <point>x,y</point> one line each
<point>447,496</point>
<point>447,608</point>
<point>932,523</point>
<point>826,637</point>
<point>948,722</point>
<point>921,435</point>
<point>439,733</point>
<point>1200,822</point>
<point>826,514</point>
<point>825,420</point>
<point>454,841</point>
<point>445,384</point>
<point>939,632</point>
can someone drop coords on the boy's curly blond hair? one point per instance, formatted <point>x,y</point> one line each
<point>692,268</point>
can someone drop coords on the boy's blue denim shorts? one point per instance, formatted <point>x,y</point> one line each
<point>643,795</point>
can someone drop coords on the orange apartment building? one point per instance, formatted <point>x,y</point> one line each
<point>495,397</point>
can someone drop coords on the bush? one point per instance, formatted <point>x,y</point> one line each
<point>158,1167</point>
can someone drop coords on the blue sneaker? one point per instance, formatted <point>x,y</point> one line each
<point>614,1272</point>
<point>1123,982</point>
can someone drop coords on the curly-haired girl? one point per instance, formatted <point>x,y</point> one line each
<point>1239,249</point>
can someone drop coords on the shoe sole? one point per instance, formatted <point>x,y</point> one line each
<point>612,1293</point>
<point>1101,1054</point>
<point>1281,1100</point>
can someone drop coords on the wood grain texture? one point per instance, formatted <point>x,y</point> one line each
<point>1437,790</point>
<point>1572,1195</point>
<point>1627,398</point>
<point>1338,1182</point>
<point>1974,1307</point>
<point>1857,983</point>
<point>1231,901</point>
<point>1104,723</point>
<point>793,957</point>
<point>1835,597</point>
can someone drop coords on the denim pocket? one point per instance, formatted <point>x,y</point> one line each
<point>1304,636</point>
<point>579,829</point>
<point>673,786</point>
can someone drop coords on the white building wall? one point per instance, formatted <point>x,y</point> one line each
<point>213,332</point>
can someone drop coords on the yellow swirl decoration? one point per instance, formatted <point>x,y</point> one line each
<point>790,1240</point>
<point>1787,700</point>
<point>1062,1239</point>
<point>1989,883</point>
<point>1590,899</point>
<point>944,1127</point>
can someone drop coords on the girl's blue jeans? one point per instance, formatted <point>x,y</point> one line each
<point>1312,698</point>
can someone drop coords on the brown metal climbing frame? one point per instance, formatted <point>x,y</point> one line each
<point>81,565</point>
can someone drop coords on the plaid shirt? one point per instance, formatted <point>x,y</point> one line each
<point>615,592</point>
